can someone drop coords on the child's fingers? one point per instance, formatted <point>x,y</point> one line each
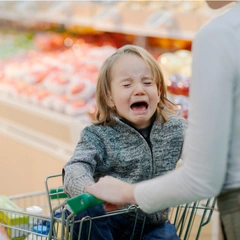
<point>110,207</point>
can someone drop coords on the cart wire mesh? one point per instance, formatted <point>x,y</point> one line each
<point>53,222</point>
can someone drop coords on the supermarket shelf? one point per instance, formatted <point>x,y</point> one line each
<point>110,17</point>
<point>140,31</point>
<point>36,140</point>
<point>52,125</point>
<point>50,132</point>
<point>40,111</point>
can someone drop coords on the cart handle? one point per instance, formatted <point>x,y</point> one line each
<point>57,193</point>
<point>82,202</point>
<point>78,203</point>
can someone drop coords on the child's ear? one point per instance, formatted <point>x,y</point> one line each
<point>110,102</point>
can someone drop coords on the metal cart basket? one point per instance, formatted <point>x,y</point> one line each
<point>53,223</point>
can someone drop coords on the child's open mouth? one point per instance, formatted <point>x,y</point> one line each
<point>139,106</point>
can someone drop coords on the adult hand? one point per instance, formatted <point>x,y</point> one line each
<point>113,192</point>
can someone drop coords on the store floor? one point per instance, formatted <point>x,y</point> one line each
<point>24,169</point>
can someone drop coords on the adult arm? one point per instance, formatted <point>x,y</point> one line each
<point>205,150</point>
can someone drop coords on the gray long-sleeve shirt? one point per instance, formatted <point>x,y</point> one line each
<point>122,152</point>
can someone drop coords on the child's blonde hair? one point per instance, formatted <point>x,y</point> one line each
<point>105,114</point>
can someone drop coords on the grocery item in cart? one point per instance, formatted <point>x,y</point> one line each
<point>38,229</point>
<point>34,210</point>
<point>12,219</point>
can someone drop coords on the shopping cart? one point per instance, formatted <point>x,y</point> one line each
<point>54,224</point>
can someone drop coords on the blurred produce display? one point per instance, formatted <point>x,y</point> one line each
<point>12,43</point>
<point>51,51</point>
<point>58,71</point>
<point>177,71</point>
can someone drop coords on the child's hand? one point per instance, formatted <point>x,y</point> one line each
<point>111,207</point>
<point>114,192</point>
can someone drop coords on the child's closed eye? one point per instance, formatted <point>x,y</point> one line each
<point>148,82</point>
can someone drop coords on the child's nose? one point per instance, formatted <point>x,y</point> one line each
<point>139,90</point>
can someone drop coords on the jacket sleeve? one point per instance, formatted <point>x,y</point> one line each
<point>79,171</point>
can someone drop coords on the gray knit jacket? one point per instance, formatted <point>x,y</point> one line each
<point>122,152</point>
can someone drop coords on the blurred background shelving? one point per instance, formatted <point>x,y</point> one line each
<point>50,55</point>
<point>171,19</point>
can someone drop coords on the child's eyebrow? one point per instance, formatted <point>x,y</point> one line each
<point>126,79</point>
<point>147,77</point>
